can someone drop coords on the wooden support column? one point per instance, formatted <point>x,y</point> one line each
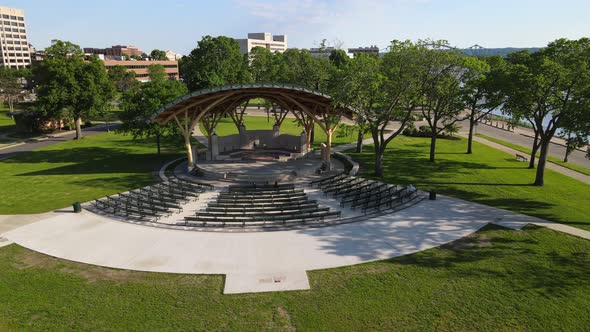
<point>186,132</point>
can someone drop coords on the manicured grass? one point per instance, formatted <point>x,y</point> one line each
<point>536,279</point>
<point>289,126</point>
<point>96,166</point>
<point>488,176</point>
<point>528,151</point>
<point>6,123</point>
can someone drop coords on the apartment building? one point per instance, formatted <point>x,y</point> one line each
<point>115,50</point>
<point>140,68</point>
<point>265,40</point>
<point>367,50</point>
<point>13,39</point>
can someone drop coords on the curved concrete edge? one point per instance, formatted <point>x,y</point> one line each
<point>355,165</point>
<point>92,239</point>
<point>162,171</point>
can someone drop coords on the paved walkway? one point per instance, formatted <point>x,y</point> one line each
<point>11,150</point>
<point>263,261</point>
<point>560,169</point>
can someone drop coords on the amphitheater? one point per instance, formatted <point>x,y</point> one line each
<point>260,207</point>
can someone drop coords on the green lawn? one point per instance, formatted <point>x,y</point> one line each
<point>289,126</point>
<point>96,166</point>
<point>528,151</point>
<point>489,176</point>
<point>6,123</point>
<point>497,280</point>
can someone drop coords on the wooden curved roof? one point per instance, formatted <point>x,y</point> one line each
<point>228,97</point>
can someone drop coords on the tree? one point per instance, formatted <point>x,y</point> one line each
<point>140,104</point>
<point>262,65</point>
<point>157,72</point>
<point>136,57</point>
<point>380,91</point>
<point>122,79</point>
<point>11,85</point>
<point>71,86</point>
<point>479,92</point>
<point>216,61</point>
<point>339,58</point>
<point>440,73</point>
<point>550,89</point>
<point>158,55</point>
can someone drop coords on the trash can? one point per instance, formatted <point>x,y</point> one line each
<point>77,207</point>
<point>432,196</point>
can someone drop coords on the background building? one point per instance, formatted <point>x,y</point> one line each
<point>369,50</point>
<point>116,50</point>
<point>173,56</point>
<point>323,52</point>
<point>13,39</point>
<point>141,68</point>
<point>263,39</point>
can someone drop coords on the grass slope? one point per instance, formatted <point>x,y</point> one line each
<point>498,280</point>
<point>6,123</point>
<point>489,176</point>
<point>528,151</point>
<point>53,177</point>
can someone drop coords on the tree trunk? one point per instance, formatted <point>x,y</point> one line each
<point>470,137</point>
<point>432,145</point>
<point>379,162</point>
<point>567,148</point>
<point>540,177</point>
<point>329,149</point>
<point>534,151</point>
<point>158,143</point>
<point>312,138</point>
<point>78,121</point>
<point>359,142</point>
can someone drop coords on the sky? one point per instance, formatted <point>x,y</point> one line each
<point>178,25</point>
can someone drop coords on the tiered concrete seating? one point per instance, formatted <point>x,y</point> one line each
<point>269,205</point>
<point>152,202</point>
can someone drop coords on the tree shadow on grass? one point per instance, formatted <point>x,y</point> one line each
<point>522,261</point>
<point>91,160</point>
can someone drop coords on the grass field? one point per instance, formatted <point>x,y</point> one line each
<point>290,126</point>
<point>58,175</point>
<point>6,123</point>
<point>489,176</point>
<point>497,280</point>
<point>528,151</point>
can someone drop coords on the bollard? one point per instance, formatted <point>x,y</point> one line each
<point>432,196</point>
<point>77,207</point>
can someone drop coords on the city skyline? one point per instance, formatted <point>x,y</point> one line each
<point>179,25</point>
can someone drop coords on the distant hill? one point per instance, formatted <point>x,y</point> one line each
<point>496,51</point>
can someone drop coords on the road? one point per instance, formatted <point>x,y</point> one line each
<point>12,151</point>
<point>555,150</point>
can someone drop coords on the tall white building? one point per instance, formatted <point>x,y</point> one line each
<point>13,39</point>
<point>265,40</point>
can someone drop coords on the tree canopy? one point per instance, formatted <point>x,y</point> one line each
<point>158,55</point>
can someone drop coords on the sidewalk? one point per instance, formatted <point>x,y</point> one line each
<point>560,169</point>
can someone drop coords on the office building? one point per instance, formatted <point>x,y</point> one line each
<point>265,40</point>
<point>116,50</point>
<point>13,39</point>
<point>140,68</point>
<point>367,50</point>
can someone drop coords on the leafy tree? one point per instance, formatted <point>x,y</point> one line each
<point>136,57</point>
<point>121,78</point>
<point>381,91</point>
<point>339,58</point>
<point>157,72</point>
<point>216,61</point>
<point>158,55</point>
<point>262,65</point>
<point>10,84</point>
<point>440,73</point>
<point>479,91</point>
<point>71,86</point>
<point>550,89</point>
<point>140,103</point>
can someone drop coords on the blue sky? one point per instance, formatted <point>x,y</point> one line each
<point>178,25</point>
